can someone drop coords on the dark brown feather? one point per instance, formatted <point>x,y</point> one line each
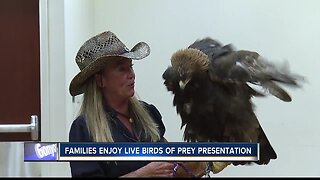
<point>210,84</point>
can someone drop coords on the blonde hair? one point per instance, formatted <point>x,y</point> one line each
<point>98,121</point>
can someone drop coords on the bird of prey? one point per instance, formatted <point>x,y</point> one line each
<point>213,86</point>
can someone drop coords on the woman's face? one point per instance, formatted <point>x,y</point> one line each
<point>118,79</point>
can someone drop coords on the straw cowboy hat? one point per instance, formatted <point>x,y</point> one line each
<point>96,51</point>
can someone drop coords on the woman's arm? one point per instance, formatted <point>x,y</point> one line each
<point>79,133</point>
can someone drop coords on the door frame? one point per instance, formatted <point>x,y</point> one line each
<point>44,69</point>
<point>54,126</point>
<point>44,77</point>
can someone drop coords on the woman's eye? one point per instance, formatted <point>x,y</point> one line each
<point>125,67</point>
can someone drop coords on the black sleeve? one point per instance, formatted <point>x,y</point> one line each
<point>79,133</point>
<point>156,115</point>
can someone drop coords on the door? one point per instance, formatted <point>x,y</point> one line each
<point>20,66</point>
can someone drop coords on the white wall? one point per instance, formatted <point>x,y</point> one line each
<point>279,30</point>
<point>79,26</point>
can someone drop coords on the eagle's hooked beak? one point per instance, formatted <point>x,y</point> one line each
<point>183,84</point>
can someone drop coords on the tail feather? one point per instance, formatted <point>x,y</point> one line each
<point>280,73</point>
<point>276,90</point>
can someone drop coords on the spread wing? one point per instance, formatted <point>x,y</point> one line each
<point>210,84</point>
<point>227,64</point>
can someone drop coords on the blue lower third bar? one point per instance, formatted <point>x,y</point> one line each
<point>158,152</point>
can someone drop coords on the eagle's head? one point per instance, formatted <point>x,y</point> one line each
<point>187,62</point>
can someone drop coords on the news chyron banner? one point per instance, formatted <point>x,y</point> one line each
<point>141,151</point>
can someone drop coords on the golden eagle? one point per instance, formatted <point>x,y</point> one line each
<point>213,86</point>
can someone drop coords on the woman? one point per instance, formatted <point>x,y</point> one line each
<point>110,112</point>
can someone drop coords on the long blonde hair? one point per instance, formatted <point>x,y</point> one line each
<point>98,121</point>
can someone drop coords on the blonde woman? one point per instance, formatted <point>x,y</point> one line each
<point>110,112</point>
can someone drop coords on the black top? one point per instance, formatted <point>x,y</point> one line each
<point>79,133</point>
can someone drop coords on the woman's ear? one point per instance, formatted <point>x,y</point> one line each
<point>99,82</point>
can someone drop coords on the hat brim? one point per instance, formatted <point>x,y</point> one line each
<point>138,52</point>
